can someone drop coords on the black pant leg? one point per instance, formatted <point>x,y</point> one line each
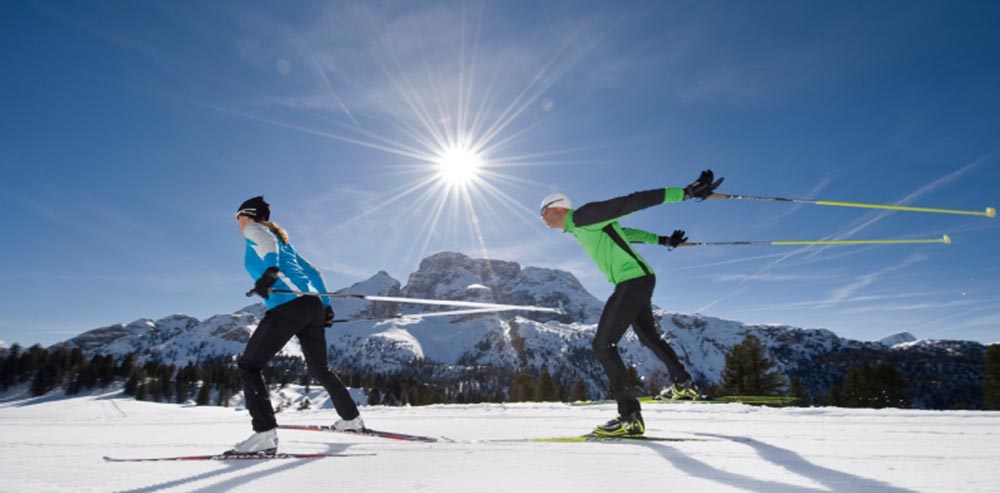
<point>275,329</point>
<point>645,329</point>
<point>620,311</point>
<point>313,342</point>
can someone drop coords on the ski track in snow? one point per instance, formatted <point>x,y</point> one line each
<point>56,445</point>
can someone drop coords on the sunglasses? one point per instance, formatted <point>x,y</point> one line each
<point>550,204</point>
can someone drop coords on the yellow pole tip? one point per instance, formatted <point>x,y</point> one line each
<point>991,212</point>
<point>947,240</point>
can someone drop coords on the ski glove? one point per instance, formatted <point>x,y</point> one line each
<point>327,316</point>
<point>263,285</point>
<point>674,240</point>
<point>703,186</point>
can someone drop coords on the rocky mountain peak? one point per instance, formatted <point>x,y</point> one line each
<point>454,276</point>
<point>900,338</point>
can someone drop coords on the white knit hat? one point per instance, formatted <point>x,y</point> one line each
<point>556,200</point>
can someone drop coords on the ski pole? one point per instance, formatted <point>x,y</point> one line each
<point>944,239</point>
<point>473,311</point>
<point>990,212</point>
<point>420,301</point>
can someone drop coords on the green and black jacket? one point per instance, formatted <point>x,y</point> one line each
<point>595,226</point>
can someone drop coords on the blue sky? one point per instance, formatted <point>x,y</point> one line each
<point>131,131</point>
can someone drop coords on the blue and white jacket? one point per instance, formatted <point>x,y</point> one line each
<point>264,250</point>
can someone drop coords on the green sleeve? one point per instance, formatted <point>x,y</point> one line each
<point>640,236</point>
<point>673,194</point>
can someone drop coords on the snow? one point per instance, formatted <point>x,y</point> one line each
<point>55,444</point>
<point>897,339</point>
<point>510,341</point>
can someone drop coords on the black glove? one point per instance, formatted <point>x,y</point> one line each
<point>674,240</point>
<point>702,187</point>
<point>263,285</point>
<point>327,316</point>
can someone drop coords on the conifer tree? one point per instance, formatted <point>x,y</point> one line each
<point>522,389</point>
<point>546,389</point>
<point>374,397</point>
<point>127,366</point>
<point>3,372</point>
<point>31,361</point>
<point>46,378</point>
<point>634,382</point>
<point>10,367</point>
<point>799,392</point>
<point>876,387</point>
<point>225,395</point>
<point>132,384</point>
<point>141,393</point>
<point>578,392</point>
<point>750,371</point>
<point>834,398</point>
<point>656,381</point>
<point>991,377</point>
<point>204,395</point>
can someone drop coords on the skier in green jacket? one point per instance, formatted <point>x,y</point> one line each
<point>595,226</point>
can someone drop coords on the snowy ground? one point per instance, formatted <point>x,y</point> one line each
<point>57,445</point>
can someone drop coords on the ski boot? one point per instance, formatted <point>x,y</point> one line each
<point>680,391</point>
<point>262,443</point>
<point>356,424</point>
<point>631,425</point>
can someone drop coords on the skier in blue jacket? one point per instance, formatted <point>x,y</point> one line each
<point>275,264</point>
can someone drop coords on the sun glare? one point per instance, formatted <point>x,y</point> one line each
<point>459,166</point>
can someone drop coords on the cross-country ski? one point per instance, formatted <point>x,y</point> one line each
<point>227,457</point>
<point>363,432</point>
<point>591,438</point>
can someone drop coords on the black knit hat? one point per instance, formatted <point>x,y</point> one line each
<point>255,208</point>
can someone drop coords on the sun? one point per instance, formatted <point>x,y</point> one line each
<point>458,165</point>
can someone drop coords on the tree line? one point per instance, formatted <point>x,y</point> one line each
<point>749,370</point>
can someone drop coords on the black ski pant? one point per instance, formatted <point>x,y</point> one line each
<point>631,304</point>
<point>303,318</point>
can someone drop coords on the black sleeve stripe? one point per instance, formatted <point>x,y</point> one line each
<point>607,210</point>
<point>617,238</point>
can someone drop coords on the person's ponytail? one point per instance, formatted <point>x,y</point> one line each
<point>277,230</point>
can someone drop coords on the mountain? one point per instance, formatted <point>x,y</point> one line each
<point>896,339</point>
<point>455,276</point>
<point>942,374</point>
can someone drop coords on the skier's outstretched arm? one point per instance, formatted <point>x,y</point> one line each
<point>639,236</point>
<point>607,210</point>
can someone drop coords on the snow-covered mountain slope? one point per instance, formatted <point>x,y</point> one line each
<point>532,341</point>
<point>896,339</point>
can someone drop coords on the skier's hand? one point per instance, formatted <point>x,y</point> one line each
<point>328,316</point>
<point>674,240</point>
<point>703,187</point>
<point>263,285</point>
